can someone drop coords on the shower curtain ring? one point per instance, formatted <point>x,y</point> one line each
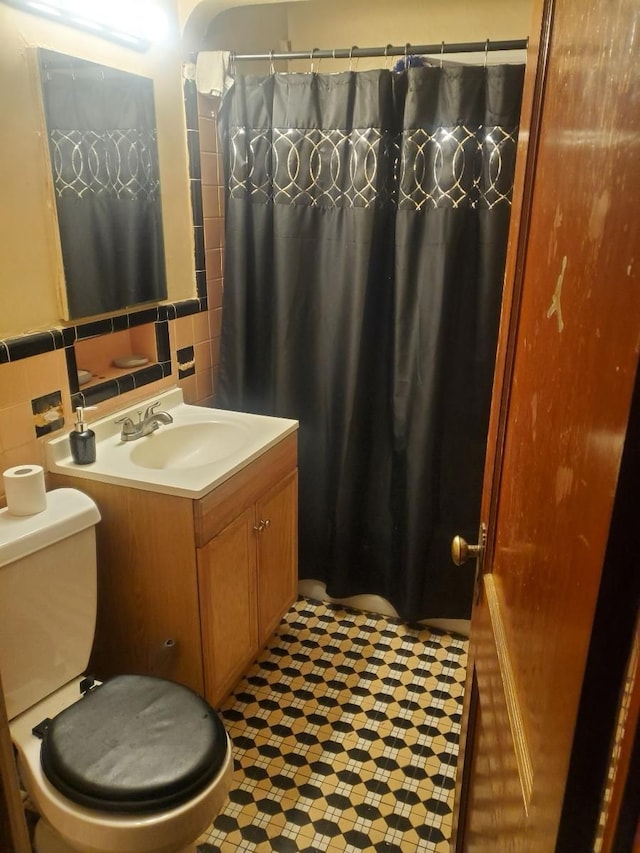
<point>486,52</point>
<point>272,69</point>
<point>386,55</point>
<point>351,57</point>
<point>441,53</point>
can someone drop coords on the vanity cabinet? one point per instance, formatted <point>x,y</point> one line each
<point>191,589</point>
<point>247,578</point>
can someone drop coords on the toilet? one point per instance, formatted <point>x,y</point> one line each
<point>136,764</point>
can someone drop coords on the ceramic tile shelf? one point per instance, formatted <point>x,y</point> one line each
<point>36,343</point>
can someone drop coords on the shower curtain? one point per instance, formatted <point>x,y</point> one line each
<point>366,227</point>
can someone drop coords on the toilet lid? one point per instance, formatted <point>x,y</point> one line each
<point>135,743</point>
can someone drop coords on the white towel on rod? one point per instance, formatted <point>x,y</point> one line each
<point>212,72</point>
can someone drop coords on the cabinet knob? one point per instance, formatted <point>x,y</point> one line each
<point>266,522</point>
<point>262,525</point>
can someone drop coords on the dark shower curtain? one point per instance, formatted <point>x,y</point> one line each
<point>366,227</point>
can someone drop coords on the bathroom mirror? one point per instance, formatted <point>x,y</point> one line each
<point>101,133</point>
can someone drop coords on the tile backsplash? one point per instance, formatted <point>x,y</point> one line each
<point>22,384</point>
<point>30,385</point>
<point>33,387</point>
<point>38,379</point>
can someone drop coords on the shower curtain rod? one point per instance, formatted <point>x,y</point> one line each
<point>356,52</point>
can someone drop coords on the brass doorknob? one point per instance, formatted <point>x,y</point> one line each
<point>461,551</point>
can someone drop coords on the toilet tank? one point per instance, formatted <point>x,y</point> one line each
<point>47,597</point>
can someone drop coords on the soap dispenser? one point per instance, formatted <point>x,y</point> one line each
<point>82,441</point>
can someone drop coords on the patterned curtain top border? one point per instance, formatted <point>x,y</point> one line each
<point>119,163</point>
<point>416,169</point>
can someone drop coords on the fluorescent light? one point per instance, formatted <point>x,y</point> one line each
<point>136,23</point>
<point>43,7</point>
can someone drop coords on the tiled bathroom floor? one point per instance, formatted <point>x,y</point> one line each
<point>345,735</point>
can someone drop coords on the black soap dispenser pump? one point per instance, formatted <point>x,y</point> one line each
<point>82,441</point>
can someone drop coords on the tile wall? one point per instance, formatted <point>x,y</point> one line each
<point>207,194</point>
<point>187,334</point>
<point>24,381</point>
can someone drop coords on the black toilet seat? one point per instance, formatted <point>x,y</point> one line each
<point>136,743</point>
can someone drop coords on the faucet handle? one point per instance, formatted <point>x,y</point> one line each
<point>128,426</point>
<point>149,409</point>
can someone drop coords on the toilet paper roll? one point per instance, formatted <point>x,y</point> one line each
<point>24,489</point>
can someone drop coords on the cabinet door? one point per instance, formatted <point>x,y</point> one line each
<point>227,584</point>
<point>277,523</point>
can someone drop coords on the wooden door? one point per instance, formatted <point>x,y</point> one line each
<point>228,616</point>
<point>566,367</point>
<point>277,522</point>
<point>619,826</point>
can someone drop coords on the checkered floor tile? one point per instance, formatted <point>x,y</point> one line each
<point>345,735</point>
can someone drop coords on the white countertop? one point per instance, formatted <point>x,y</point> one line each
<point>206,446</point>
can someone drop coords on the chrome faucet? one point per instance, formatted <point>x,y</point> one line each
<point>145,425</point>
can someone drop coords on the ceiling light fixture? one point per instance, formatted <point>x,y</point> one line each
<point>134,23</point>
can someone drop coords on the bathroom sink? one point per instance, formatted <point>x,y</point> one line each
<point>188,445</point>
<point>197,451</point>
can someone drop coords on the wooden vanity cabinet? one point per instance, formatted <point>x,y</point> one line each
<point>247,578</point>
<point>191,589</point>
<point>247,546</point>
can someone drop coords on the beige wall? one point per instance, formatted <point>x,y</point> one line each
<point>195,16</point>
<point>30,264</point>
<point>373,23</point>
<point>250,29</point>
<point>369,23</point>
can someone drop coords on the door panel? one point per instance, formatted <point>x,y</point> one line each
<point>561,414</point>
<point>496,797</point>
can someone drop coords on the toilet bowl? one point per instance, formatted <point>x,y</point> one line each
<point>137,764</point>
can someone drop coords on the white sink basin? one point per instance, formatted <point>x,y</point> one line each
<point>189,445</point>
<point>200,449</point>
